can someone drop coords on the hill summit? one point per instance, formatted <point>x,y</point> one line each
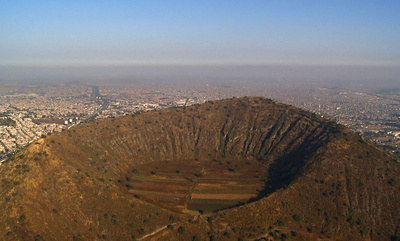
<point>243,168</point>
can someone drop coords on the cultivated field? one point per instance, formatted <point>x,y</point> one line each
<point>183,185</point>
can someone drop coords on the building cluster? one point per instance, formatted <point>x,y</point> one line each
<point>38,110</point>
<point>374,115</point>
<point>23,133</point>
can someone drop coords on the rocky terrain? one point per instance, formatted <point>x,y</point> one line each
<point>244,168</point>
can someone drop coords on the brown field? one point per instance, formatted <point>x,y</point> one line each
<point>210,205</point>
<point>222,196</point>
<point>179,185</point>
<point>228,187</point>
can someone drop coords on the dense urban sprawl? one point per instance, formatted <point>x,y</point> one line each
<point>29,112</point>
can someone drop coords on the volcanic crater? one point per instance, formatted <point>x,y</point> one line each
<point>251,162</point>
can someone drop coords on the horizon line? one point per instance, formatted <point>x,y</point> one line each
<point>205,64</point>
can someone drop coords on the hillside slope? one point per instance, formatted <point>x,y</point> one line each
<point>130,177</point>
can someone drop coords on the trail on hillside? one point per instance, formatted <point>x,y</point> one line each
<point>155,232</point>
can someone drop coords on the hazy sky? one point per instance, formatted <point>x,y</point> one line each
<point>61,32</point>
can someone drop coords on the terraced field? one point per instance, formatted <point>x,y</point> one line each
<point>215,194</point>
<point>195,186</point>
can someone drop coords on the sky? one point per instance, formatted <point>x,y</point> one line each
<point>307,32</point>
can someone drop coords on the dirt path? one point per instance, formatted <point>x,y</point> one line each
<point>157,231</point>
<point>153,233</point>
<point>189,197</point>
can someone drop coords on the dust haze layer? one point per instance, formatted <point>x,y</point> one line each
<point>353,77</point>
<point>322,181</point>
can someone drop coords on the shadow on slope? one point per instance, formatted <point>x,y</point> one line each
<point>283,171</point>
